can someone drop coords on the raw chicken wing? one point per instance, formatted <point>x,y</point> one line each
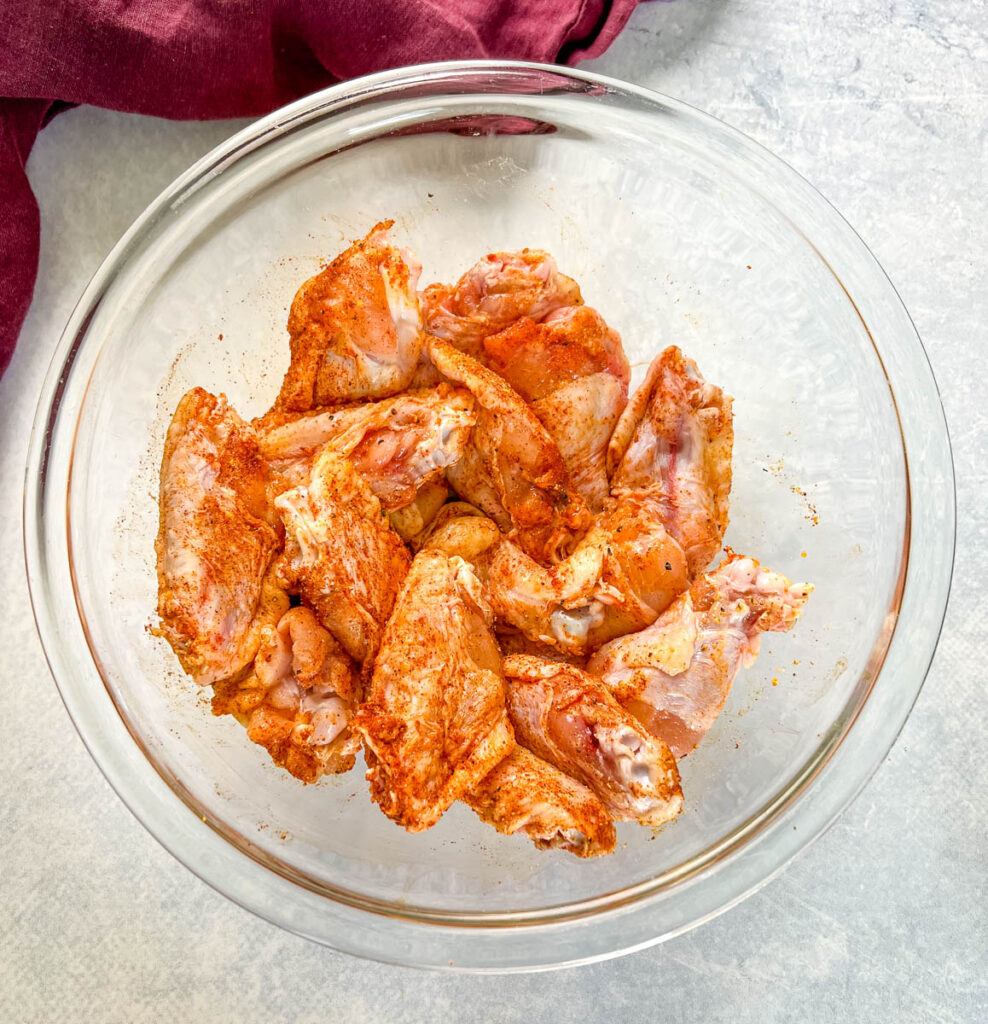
<point>216,540</point>
<point>341,554</point>
<point>435,722</point>
<point>569,719</point>
<point>355,328</point>
<point>496,291</point>
<point>511,468</point>
<point>673,443</point>
<point>299,699</point>
<point>398,445</point>
<point>675,675</point>
<point>526,794</point>
<point>622,574</point>
<point>572,370</point>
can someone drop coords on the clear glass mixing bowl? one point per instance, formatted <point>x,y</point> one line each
<point>679,230</point>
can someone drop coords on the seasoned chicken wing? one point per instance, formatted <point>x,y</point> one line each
<point>493,293</point>
<point>511,468</point>
<point>341,554</point>
<point>621,575</point>
<point>675,675</point>
<point>398,445</point>
<point>216,541</point>
<point>355,328</point>
<point>572,370</point>
<point>434,723</point>
<point>526,794</point>
<point>673,443</point>
<point>569,719</point>
<point>298,701</point>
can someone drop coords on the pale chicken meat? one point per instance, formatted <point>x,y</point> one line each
<point>217,537</point>
<point>355,328</point>
<point>341,554</point>
<point>673,444</point>
<point>623,573</point>
<point>413,520</point>
<point>675,675</point>
<point>496,291</point>
<point>511,467</point>
<point>569,719</point>
<point>527,795</point>
<point>434,723</point>
<point>461,529</point>
<point>398,445</point>
<point>298,701</point>
<point>572,370</point>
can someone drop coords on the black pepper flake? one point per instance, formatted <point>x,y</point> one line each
<point>668,567</point>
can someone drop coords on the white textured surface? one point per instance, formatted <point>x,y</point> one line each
<point>882,107</point>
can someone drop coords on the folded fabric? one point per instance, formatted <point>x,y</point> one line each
<point>201,59</point>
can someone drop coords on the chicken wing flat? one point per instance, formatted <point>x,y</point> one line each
<point>675,675</point>
<point>398,445</point>
<point>216,541</point>
<point>355,328</point>
<point>572,370</point>
<point>298,701</point>
<point>511,467</point>
<point>569,719</point>
<point>526,794</point>
<point>434,723</point>
<point>496,291</point>
<point>341,554</point>
<point>673,443</point>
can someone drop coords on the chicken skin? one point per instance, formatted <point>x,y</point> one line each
<point>573,372</point>
<point>398,445</point>
<point>434,723</point>
<point>673,445</point>
<point>341,554</point>
<point>355,328</point>
<point>496,291</point>
<point>298,701</point>
<point>526,794</point>
<point>511,468</point>
<point>216,541</point>
<point>675,675</point>
<point>569,719</point>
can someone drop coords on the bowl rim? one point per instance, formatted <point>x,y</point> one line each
<point>46,542</point>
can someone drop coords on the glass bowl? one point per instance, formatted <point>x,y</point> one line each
<point>679,230</point>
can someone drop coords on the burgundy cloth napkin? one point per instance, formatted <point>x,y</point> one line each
<point>200,59</point>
